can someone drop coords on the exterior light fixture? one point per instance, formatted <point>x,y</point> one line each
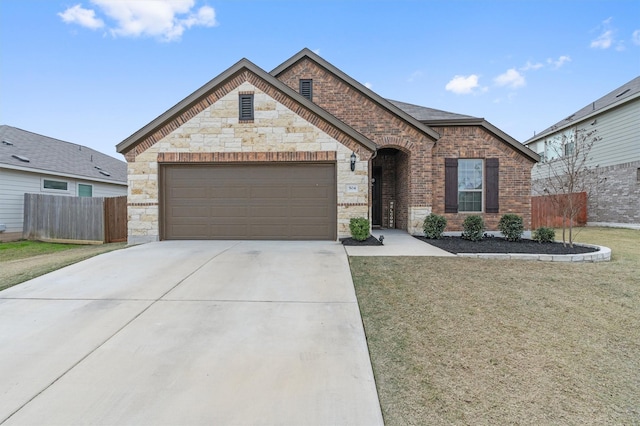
<point>353,161</point>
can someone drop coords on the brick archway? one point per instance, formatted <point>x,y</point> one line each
<point>390,172</point>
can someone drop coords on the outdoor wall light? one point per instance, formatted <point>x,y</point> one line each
<point>353,161</point>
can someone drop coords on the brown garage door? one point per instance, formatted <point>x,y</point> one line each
<point>249,201</point>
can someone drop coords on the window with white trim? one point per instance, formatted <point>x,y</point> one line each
<point>470,185</point>
<point>85,190</point>
<point>55,185</point>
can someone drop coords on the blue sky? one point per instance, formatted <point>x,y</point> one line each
<point>93,72</point>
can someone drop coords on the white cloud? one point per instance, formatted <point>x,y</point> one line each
<point>635,37</point>
<point>368,85</point>
<point>559,62</point>
<point>317,52</point>
<point>83,17</point>
<point>511,78</point>
<point>531,66</point>
<point>163,19</point>
<point>462,85</point>
<point>603,41</point>
<point>414,76</point>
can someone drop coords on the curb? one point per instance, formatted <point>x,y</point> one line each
<point>603,255</point>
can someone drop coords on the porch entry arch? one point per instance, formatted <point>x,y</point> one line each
<point>390,187</point>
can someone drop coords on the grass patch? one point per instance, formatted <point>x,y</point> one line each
<point>23,249</point>
<point>472,341</point>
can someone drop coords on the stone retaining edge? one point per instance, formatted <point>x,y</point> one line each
<point>603,255</point>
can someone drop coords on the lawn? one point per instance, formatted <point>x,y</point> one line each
<point>471,341</point>
<point>22,249</point>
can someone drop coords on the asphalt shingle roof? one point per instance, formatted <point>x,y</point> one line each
<point>428,114</point>
<point>54,156</point>
<point>623,92</point>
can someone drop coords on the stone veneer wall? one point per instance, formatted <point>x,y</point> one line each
<point>514,177</point>
<point>275,128</point>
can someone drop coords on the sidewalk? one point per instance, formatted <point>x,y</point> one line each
<point>396,243</point>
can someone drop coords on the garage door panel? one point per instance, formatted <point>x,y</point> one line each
<point>249,201</point>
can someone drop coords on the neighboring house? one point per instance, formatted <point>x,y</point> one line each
<point>298,152</point>
<point>614,157</point>
<point>32,163</point>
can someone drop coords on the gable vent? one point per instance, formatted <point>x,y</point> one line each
<point>246,107</point>
<point>306,89</point>
<point>21,158</point>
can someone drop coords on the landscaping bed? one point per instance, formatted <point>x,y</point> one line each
<point>500,245</point>
<point>371,241</point>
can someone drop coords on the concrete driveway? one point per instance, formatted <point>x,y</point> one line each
<point>187,332</point>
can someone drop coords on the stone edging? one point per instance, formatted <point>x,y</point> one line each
<point>603,255</point>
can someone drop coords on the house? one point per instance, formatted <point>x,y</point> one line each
<point>33,163</point>
<point>614,157</point>
<point>297,152</point>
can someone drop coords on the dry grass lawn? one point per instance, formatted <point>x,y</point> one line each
<point>471,341</point>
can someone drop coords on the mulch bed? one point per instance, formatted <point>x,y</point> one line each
<point>371,241</point>
<point>500,245</point>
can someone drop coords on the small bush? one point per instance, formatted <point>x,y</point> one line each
<point>473,228</point>
<point>434,226</point>
<point>544,235</point>
<point>511,227</point>
<point>359,227</point>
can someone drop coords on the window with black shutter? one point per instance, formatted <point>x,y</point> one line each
<point>246,107</point>
<point>468,185</point>
<point>451,185</point>
<point>306,89</point>
<point>492,196</point>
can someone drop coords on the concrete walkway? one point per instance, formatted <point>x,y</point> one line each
<point>396,243</point>
<point>211,332</point>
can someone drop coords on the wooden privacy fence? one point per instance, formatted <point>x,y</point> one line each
<point>547,210</point>
<point>87,219</point>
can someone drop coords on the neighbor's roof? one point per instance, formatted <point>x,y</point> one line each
<point>23,150</point>
<point>621,95</point>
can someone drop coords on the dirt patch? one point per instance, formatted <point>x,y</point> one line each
<point>17,271</point>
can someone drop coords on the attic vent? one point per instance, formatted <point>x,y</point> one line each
<point>569,118</point>
<point>246,106</point>
<point>306,89</point>
<point>97,167</point>
<point>21,158</point>
<point>102,172</point>
<point>622,93</point>
<point>7,143</point>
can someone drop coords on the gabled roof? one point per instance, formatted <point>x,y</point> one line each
<point>56,157</point>
<point>623,94</point>
<point>241,66</point>
<point>434,117</point>
<point>384,103</point>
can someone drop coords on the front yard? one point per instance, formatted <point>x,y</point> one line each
<point>468,341</point>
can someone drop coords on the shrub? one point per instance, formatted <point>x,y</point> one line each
<point>511,226</point>
<point>434,226</point>
<point>473,228</point>
<point>544,235</point>
<point>359,227</point>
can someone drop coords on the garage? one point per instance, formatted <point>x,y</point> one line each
<point>292,201</point>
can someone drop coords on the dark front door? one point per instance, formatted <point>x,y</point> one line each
<point>376,197</point>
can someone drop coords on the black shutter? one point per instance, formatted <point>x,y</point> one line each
<point>246,107</point>
<point>306,89</point>
<point>451,185</point>
<point>492,196</point>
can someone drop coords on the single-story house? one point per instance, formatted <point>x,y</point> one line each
<point>297,152</point>
<point>37,164</point>
<point>614,193</point>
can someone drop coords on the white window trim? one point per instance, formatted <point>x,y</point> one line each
<point>481,191</point>
<point>55,191</point>
<point>85,184</point>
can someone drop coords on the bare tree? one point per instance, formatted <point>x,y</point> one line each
<point>568,174</point>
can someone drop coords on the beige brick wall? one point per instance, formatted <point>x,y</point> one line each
<point>275,128</point>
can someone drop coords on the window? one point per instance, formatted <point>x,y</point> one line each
<point>246,106</point>
<point>568,149</point>
<point>471,185</point>
<point>55,184</point>
<point>85,190</point>
<point>306,89</point>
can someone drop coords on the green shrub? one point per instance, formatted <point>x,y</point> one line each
<point>434,226</point>
<point>544,235</point>
<point>511,227</point>
<point>473,228</point>
<point>359,227</point>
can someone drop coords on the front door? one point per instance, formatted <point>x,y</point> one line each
<point>376,197</point>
